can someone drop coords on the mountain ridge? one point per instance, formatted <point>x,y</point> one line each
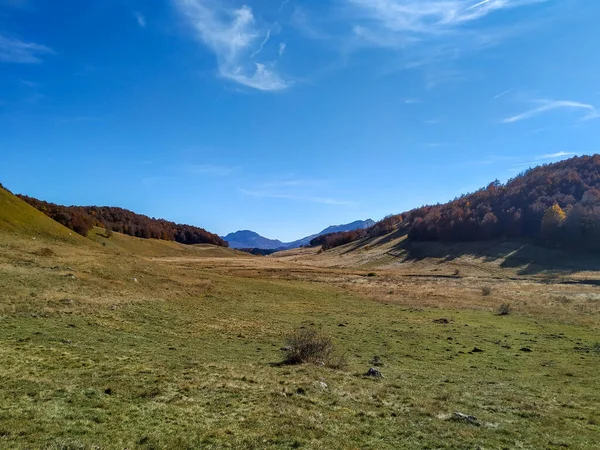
<point>250,239</point>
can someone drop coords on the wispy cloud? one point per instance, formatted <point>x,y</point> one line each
<point>141,20</point>
<point>556,155</point>
<point>503,93</point>
<point>552,105</point>
<point>30,84</point>
<point>544,159</point>
<point>232,35</point>
<point>282,47</point>
<point>428,32</point>
<point>262,44</point>
<point>211,169</point>
<point>13,50</point>
<point>302,198</point>
<point>427,17</point>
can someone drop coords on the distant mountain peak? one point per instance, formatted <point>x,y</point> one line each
<point>251,239</point>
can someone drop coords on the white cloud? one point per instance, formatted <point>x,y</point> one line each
<point>428,31</point>
<point>262,44</point>
<point>282,47</point>
<point>141,20</point>
<point>430,16</point>
<point>552,105</point>
<point>231,34</point>
<point>547,157</point>
<point>554,155</point>
<point>503,93</point>
<point>16,51</point>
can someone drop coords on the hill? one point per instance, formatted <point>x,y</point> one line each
<point>19,218</point>
<point>82,219</point>
<point>247,239</point>
<point>557,205</point>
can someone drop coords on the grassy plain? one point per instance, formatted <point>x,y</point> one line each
<point>112,347</point>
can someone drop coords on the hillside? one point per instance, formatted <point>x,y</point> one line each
<point>557,205</point>
<point>155,247</point>
<point>19,218</point>
<point>82,219</point>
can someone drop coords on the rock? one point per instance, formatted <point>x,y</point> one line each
<point>323,385</point>
<point>460,417</point>
<point>135,280</point>
<point>373,372</point>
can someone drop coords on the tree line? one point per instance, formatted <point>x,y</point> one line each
<point>82,219</point>
<point>556,204</point>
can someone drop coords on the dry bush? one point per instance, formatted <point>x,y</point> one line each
<point>486,291</point>
<point>505,309</point>
<point>308,345</point>
<point>47,252</point>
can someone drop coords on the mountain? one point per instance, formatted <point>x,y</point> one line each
<point>356,225</point>
<point>249,239</point>
<point>557,205</point>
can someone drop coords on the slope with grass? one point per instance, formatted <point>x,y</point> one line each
<point>19,218</point>
<point>155,247</point>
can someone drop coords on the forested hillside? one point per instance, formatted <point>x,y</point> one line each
<point>82,219</point>
<point>556,204</point>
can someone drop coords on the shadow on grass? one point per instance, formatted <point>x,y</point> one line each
<point>528,258</point>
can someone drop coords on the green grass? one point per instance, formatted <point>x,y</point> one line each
<point>197,372</point>
<point>154,247</point>
<point>151,345</point>
<point>19,218</point>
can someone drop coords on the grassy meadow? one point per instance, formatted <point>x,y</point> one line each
<point>152,345</point>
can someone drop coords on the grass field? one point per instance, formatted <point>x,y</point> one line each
<point>148,345</point>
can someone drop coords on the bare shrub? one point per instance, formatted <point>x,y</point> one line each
<point>505,309</point>
<point>307,345</point>
<point>457,272</point>
<point>47,252</point>
<point>486,291</point>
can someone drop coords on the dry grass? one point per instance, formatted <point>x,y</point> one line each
<point>141,345</point>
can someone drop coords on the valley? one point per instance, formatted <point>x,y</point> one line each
<point>123,342</point>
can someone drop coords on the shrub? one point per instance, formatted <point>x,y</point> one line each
<point>371,274</point>
<point>504,309</point>
<point>45,252</point>
<point>307,345</point>
<point>109,233</point>
<point>486,291</point>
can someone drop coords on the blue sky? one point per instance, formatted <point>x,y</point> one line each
<point>286,116</point>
